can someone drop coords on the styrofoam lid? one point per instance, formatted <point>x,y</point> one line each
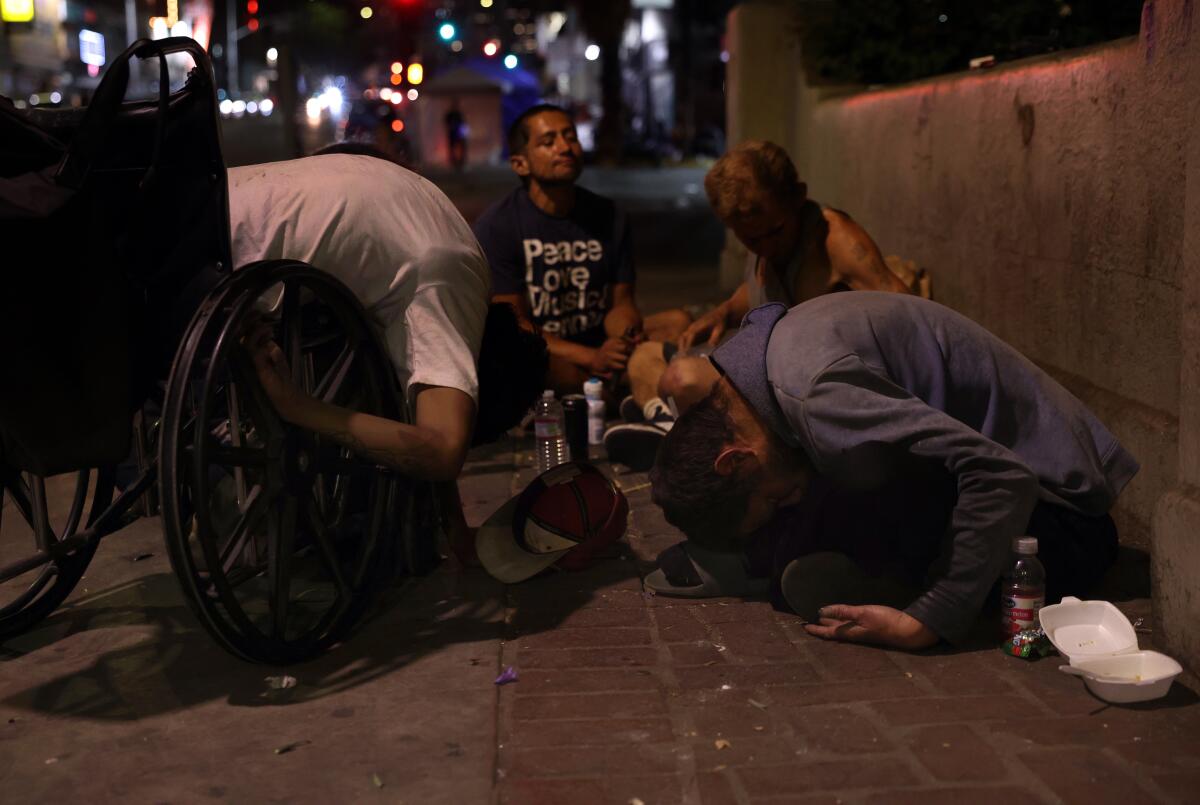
<point>1083,629</point>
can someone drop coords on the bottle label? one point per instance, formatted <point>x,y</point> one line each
<point>547,429</point>
<point>1020,612</point>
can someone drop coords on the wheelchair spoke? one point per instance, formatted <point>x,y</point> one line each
<point>328,552</point>
<point>257,506</point>
<point>290,336</point>
<point>253,398</point>
<point>331,383</point>
<point>281,537</point>
<point>42,533</point>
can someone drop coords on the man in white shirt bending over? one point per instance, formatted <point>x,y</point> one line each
<point>406,253</point>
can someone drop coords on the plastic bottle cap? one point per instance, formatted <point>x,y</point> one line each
<point>1025,545</point>
<point>593,387</point>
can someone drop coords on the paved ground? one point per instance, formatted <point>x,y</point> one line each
<point>623,697</point>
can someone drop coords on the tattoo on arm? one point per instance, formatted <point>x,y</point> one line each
<point>406,464</point>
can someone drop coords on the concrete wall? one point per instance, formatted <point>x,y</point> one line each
<point>1049,199</point>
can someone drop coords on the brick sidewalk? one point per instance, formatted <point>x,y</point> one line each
<point>625,697</point>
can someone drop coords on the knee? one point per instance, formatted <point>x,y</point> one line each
<point>687,380</point>
<point>667,325</point>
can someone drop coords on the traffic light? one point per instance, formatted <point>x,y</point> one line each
<point>252,15</point>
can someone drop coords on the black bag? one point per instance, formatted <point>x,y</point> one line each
<point>114,223</point>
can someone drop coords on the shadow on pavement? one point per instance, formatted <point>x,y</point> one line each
<point>455,619</point>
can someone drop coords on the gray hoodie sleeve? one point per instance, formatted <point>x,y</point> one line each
<point>849,409</point>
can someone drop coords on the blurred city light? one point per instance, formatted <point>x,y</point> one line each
<point>312,107</point>
<point>456,46</point>
<point>226,106</point>
<point>416,73</point>
<point>397,126</point>
<point>510,61</point>
<point>591,52</point>
<point>397,78</point>
<point>366,12</point>
<point>55,97</point>
<point>21,10</point>
<point>332,100</point>
<point>482,4</point>
<point>272,56</point>
<point>239,107</point>
<point>397,67</point>
<point>446,32</point>
<point>266,107</point>
<point>386,93</point>
<point>252,6</point>
<point>413,94</point>
<point>252,25</point>
<point>491,47</point>
<point>398,97</point>
<point>252,108</point>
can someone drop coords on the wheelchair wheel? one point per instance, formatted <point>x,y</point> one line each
<point>32,523</point>
<point>273,531</point>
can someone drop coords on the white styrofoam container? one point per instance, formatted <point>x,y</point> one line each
<point>1101,646</point>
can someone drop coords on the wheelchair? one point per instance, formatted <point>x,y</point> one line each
<point>126,390</point>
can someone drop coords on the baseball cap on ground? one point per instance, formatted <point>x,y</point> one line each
<point>564,516</point>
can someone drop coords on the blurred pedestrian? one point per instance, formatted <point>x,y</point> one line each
<point>456,136</point>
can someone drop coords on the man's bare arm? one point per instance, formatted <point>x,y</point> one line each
<point>854,259</point>
<point>624,313</point>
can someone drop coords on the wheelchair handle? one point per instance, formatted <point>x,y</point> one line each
<point>109,97</point>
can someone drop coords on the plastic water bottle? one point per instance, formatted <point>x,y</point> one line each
<point>593,390</point>
<point>1023,591</point>
<point>548,430</point>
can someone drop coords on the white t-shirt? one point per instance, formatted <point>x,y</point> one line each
<point>392,237</point>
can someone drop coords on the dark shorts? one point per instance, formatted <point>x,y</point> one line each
<point>898,531</point>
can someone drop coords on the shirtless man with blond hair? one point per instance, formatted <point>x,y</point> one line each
<point>799,250</point>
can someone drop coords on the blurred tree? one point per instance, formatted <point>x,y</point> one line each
<point>890,41</point>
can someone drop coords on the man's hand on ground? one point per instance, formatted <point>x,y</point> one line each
<point>611,356</point>
<point>872,624</point>
<point>711,324</point>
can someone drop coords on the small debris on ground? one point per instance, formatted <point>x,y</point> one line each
<point>138,557</point>
<point>283,750</point>
<point>721,743</point>
<point>727,686</point>
<point>636,801</point>
<point>50,761</point>
<point>376,781</point>
<point>908,674</point>
<point>282,682</point>
<point>509,674</point>
<point>757,704</point>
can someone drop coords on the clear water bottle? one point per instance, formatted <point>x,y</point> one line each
<point>1023,590</point>
<point>549,432</point>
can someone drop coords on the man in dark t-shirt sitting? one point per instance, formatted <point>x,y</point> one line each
<point>561,256</point>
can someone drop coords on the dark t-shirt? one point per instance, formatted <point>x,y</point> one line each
<point>566,266</point>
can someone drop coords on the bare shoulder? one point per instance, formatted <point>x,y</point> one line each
<point>846,239</point>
